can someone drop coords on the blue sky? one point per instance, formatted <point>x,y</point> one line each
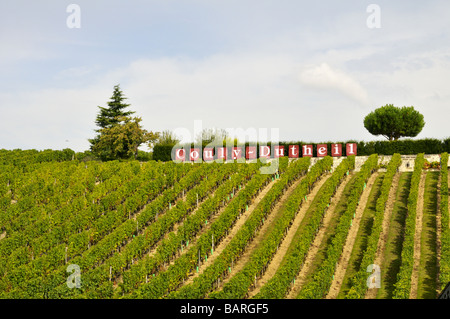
<point>311,69</point>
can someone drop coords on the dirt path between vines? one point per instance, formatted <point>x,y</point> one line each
<point>253,245</point>
<point>286,242</point>
<point>372,292</point>
<point>312,252</point>
<point>417,237</point>
<point>351,237</point>
<point>233,231</point>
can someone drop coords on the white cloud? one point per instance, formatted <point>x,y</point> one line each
<point>326,78</point>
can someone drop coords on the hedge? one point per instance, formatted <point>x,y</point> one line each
<point>403,147</point>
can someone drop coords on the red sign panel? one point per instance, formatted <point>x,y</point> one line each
<point>264,151</point>
<point>250,152</point>
<point>222,153</point>
<point>208,154</point>
<point>194,154</point>
<point>180,154</point>
<point>279,151</point>
<point>322,150</point>
<point>307,150</point>
<point>236,153</point>
<point>336,149</point>
<point>351,149</point>
<point>294,151</point>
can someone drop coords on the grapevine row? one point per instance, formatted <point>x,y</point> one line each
<point>20,276</point>
<point>186,232</point>
<point>143,242</point>
<point>279,284</point>
<point>170,279</point>
<point>203,284</point>
<point>72,219</point>
<point>358,282</point>
<point>403,284</point>
<point>239,284</point>
<point>322,278</point>
<point>444,276</point>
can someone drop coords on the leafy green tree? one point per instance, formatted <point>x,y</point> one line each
<point>394,122</point>
<point>122,140</point>
<point>167,137</point>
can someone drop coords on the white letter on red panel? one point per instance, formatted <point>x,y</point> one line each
<point>294,151</point>
<point>180,154</point>
<point>351,149</point>
<point>322,150</point>
<point>194,155</point>
<point>208,154</point>
<point>279,151</point>
<point>264,151</point>
<point>250,152</point>
<point>307,150</point>
<point>237,153</point>
<point>336,149</point>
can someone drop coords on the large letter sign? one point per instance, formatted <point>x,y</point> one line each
<point>307,150</point>
<point>194,155</point>
<point>208,154</point>
<point>250,152</point>
<point>237,153</point>
<point>180,154</point>
<point>294,151</point>
<point>322,150</point>
<point>279,151</point>
<point>222,153</point>
<point>350,149</point>
<point>264,151</point>
<point>336,149</point>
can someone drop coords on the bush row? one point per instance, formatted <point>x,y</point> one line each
<point>403,147</point>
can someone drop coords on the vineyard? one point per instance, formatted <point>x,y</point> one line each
<point>314,229</point>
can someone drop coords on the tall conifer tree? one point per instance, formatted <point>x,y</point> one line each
<point>109,116</point>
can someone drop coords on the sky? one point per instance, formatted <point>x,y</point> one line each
<point>297,70</point>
